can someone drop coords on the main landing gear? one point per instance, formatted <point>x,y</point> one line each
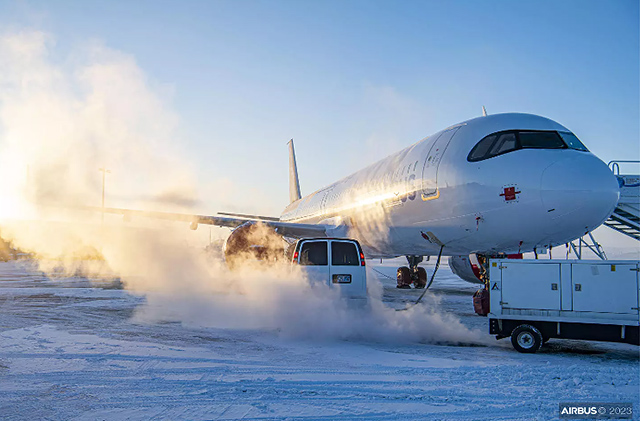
<point>412,275</point>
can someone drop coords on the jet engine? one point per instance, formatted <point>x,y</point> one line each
<point>466,267</point>
<point>253,242</point>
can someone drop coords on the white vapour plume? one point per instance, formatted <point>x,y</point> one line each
<point>281,300</point>
<point>61,121</point>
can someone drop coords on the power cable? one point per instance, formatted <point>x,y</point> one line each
<point>385,275</point>
<point>429,284</point>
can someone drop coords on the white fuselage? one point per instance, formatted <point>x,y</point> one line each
<point>430,194</point>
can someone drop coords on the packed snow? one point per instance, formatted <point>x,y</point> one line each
<point>79,348</point>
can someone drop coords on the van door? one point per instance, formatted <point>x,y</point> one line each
<point>432,162</point>
<point>314,258</point>
<point>347,270</point>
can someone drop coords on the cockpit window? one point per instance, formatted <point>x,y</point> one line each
<point>504,142</point>
<point>480,150</point>
<point>541,140</point>
<point>573,142</point>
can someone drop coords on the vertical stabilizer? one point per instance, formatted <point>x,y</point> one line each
<point>484,111</point>
<point>294,184</point>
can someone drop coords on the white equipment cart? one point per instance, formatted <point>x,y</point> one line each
<point>535,300</point>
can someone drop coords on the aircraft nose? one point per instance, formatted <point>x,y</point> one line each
<point>578,193</point>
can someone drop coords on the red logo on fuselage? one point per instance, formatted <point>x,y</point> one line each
<point>510,194</point>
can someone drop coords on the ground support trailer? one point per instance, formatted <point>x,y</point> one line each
<point>535,300</point>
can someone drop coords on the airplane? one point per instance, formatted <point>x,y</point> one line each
<point>493,185</point>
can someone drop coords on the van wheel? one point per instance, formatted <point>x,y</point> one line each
<point>421,282</point>
<point>526,338</point>
<point>404,278</point>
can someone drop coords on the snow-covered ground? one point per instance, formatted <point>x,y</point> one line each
<point>70,348</point>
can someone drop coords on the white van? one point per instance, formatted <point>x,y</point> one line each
<point>338,262</point>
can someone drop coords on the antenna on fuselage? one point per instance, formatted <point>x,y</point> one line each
<point>294,183</point>
<point>484,111</point>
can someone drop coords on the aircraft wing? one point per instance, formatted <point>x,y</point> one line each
<point>226,220</point>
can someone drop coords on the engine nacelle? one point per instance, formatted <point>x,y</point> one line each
<point>465,268</point>
<point>253,242</point>
<point>468,267</point>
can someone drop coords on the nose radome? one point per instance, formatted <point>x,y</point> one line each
<point>579,192</point>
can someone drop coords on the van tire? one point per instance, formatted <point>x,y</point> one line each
<point>421,282</point>
<point>526,339</point>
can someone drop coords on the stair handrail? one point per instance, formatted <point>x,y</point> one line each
<point>615,165</point>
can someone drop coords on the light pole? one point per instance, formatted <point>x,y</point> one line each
<point>104,173</point>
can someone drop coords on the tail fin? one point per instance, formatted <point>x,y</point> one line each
<point>294,184</point>
<point>484,111</point>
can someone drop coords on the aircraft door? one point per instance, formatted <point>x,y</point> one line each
<point>432,163</point>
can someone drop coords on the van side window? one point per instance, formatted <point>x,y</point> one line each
<point>314,253</point>
<point>344,254</point>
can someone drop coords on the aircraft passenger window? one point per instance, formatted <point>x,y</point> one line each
<point>344,254</point>
<point>541,140</point>
<point>314,253</point>
<point>573,142</point>
<point>480,150</point>
<point>506,142</point>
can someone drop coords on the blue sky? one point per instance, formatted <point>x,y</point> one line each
<point>353,81</point>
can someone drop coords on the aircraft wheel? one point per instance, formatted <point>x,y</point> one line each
<point>421,282</point>
<point>526,338</point>
<point>404,278</point>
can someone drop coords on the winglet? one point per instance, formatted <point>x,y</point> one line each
<point>294,184</point>
<point>484,111</point>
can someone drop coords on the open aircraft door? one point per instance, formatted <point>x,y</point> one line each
<point>432,163</point>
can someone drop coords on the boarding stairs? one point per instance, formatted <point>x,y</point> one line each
<point>626,216</point>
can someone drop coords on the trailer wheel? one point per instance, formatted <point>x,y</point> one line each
<point>526,338</point>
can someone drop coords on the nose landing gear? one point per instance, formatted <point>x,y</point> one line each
<point>412,275</point>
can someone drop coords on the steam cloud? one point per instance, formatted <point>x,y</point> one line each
<point>61,121</point>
